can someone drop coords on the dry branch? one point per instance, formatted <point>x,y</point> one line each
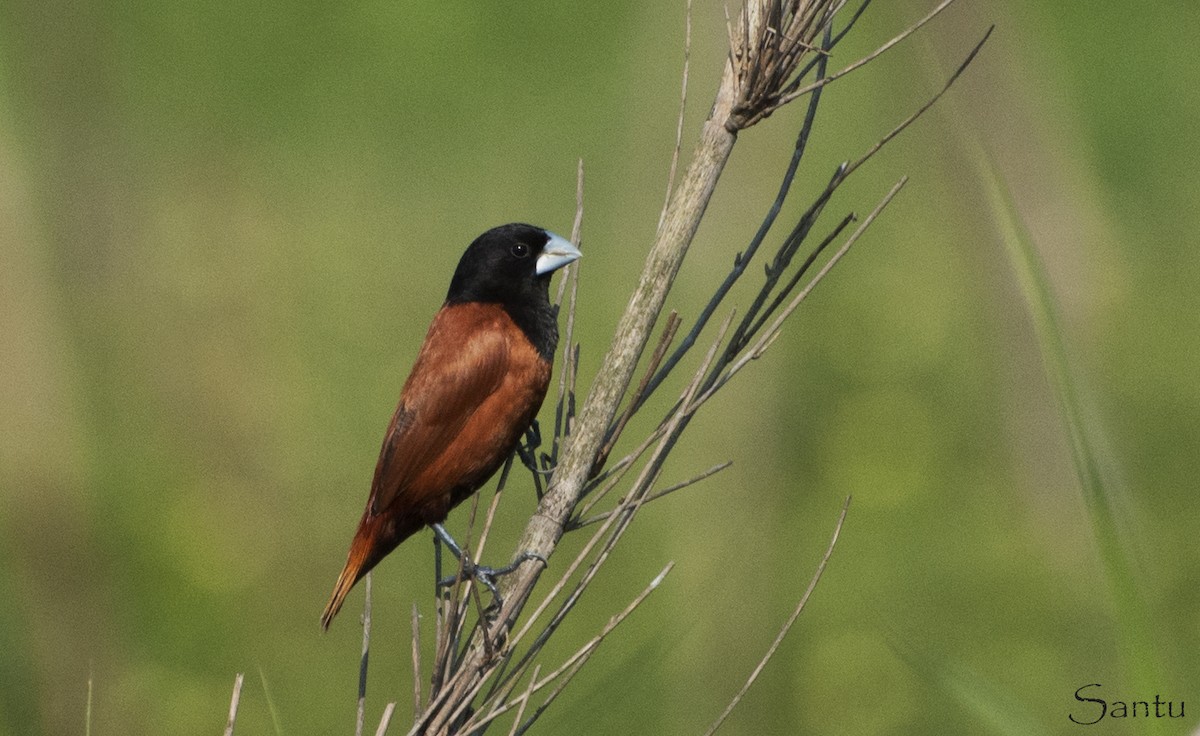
<point>787,626</point>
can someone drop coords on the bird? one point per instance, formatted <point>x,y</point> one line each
<point>475,387</point>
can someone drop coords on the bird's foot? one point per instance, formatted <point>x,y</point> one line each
<point>483,574</point>
<point>487,575</point>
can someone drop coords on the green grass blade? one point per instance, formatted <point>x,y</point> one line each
<point>270,704</point>
<point>1001,713</point>
<point>1102,498</point>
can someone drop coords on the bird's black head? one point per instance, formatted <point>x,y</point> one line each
<point>511,265</point>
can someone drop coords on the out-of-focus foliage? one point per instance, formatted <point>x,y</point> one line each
<point>224,227</point>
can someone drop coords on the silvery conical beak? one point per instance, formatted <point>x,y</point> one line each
<point>557,253</point>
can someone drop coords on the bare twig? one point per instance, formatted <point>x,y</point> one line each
<point>233,703</point>
<point>618,522</point>
<point>580,658</point>
<point>801,91</point>
<point>87,713</point>
<point>655,496</point>
<point>521,701</point>
<point>626,510</point>
<point>570,666</point>
<point>687,49</point>
<point>490,519</point>
<point>610,477</point>
<point>928,104</point>
<point>664,342</point>
<point>783,632</point>
<point>362,665</point>
<point>755,351</point>
<point>416,660</point>
<point>440,619</point>
<point>790,286</point>
<point>755,317</point>
<point>385,720</point>
<point>564,410</point>
<point>742,260</point>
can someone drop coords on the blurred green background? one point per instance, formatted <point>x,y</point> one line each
<point>225,226</point>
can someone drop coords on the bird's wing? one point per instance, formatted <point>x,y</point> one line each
<point>462,362</point>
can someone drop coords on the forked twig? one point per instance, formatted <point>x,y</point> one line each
<point>801,91</point>
<point>568,668</point>
<point>580,658</point>
<point>521,701</point>
<point>655,496</point>
<point>720,377</point>
<point>742,260</point>
<point>966,62</point>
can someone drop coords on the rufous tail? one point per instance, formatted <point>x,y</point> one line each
<point>350,575</point>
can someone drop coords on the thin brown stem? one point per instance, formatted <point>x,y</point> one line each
<point>366,653</point>
<point>521,702</point>
<point>416,660</point>
<point>800,92</point>
<point>783,632</point>
<point>687,48</point>
<point>655,496</point>
<point>660,351</point>
<point>928,104</point>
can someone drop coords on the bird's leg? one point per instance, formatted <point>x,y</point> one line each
<point>481,573</point>
<point>448,540</point>
<point>527,450</point>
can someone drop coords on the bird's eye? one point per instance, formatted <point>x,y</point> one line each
<point>519,250</point>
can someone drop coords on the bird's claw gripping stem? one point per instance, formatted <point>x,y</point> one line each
<point>480,573</point>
